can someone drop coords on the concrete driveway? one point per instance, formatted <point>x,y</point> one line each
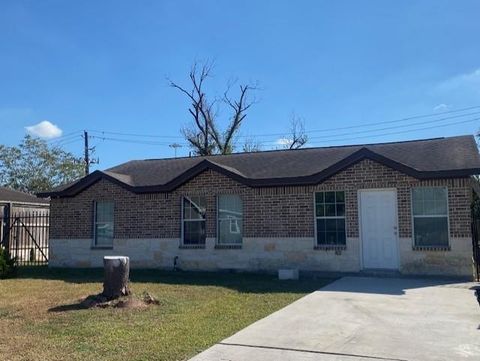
<point>363,318</point>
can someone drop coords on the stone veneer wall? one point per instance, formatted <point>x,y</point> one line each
<point>278,225</point>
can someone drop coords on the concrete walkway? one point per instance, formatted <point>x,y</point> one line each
<point>363,318</point>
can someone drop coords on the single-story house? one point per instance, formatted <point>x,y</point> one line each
<point>12,201</point>
<point>402,206</point>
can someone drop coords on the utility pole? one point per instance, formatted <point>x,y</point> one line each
<point>87,161</point>
<point>175,146</point>
<point>87,153</point>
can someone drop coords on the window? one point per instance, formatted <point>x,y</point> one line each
<point>103,223</point>
<point>330,218</point>
<point>430,216</point>
<point>193,223</point>
<point>230,219</point>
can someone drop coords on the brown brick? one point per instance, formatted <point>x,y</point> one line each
<point>268,212</point>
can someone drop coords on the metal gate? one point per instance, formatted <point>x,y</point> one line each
<point>26,236</point>
<point>476,245</point>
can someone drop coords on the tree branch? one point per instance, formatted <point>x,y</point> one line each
<point>205,136</point>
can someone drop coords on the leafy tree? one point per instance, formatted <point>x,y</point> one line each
<point>205,136</point>
<point>34,166</point>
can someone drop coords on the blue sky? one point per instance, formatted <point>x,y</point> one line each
<point>102,65</point>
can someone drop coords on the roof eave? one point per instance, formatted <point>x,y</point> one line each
<point>363,153</point>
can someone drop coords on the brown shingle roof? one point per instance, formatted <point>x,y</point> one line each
<point>428,158</point>
<point>13,196</point>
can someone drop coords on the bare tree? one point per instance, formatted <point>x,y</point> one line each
<point>201,110</point>
<point>297,137</point>
<point>252,145</point>
<point>205,135</point>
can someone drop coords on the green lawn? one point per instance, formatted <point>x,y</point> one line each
<point>39,319</point>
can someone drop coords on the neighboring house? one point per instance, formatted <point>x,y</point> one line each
<point>400,206</point>
<point>14,202</point>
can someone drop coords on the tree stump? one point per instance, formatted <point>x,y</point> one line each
<point>116,275</point>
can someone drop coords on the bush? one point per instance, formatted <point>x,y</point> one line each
<point>7,264</point>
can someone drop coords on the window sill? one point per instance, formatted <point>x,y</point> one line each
<point>332,247</point>
<point>192,246</point>
<point>101,247</point>
<point>228,246</point>
<point>431,248</point>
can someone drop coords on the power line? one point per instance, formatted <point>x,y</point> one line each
<point>68,142</point>
<point>320,130</point>
<point>397,126</point>
<point>339,137</point>
<point>137,135</point>
<point>64,137</point>
<point>146,142</point>
<point>401,132</point>
<point>331,138</point>
<point>384,122</point>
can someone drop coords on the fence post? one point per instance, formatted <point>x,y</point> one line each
<point>17,241</point>
<point>477,249</point>
<point>476,246</point>
<point>6,221</point>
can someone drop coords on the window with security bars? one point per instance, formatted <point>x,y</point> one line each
<point>330,218</point>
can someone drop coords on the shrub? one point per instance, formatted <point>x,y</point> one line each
<point>7,263</point>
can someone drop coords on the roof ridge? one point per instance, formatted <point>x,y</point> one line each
<point>296,150</point>
<point>226,167</point>
<point>457,157</point>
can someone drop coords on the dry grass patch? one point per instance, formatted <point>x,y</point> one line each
<point>40,318</point>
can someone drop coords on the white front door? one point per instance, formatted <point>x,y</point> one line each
<point>378,217</point>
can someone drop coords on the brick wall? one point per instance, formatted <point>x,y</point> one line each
<point>268,212</point>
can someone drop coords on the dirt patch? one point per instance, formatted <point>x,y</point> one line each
<point>131,303</point>
<point>127,302</point>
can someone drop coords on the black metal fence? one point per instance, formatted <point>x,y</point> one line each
<point>26,236</point>
<point>476,245</point>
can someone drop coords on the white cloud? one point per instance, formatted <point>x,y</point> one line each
<point>461,89</point>
<point>471,79</point>
<point>441,107</point>
<point>45,130</point>
<point>284,141</point>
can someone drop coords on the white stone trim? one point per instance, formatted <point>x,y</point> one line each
<point>259,254</point>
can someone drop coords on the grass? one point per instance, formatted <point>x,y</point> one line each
<point>40,320</point>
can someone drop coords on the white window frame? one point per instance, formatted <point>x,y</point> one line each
<point>95,223</point>
<point>234,227</point>
<point>413,216</point>
<point>183,220</point>
<point>232,220</point>
<point>315,218</point>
